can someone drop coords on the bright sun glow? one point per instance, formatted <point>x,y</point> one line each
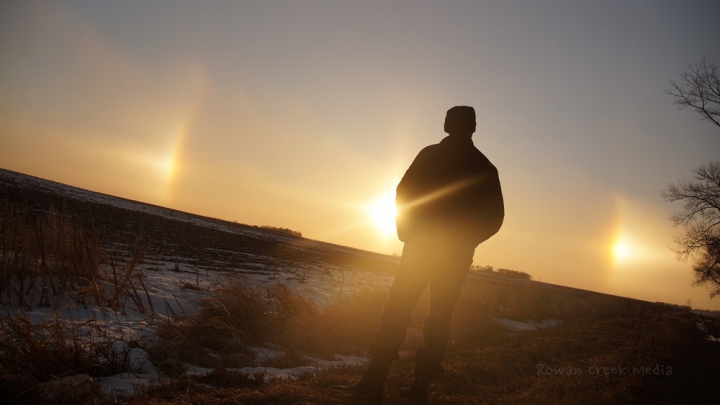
<point>621,250</point>
<point>382,212</point>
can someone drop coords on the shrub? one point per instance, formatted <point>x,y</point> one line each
<point>286,231</point>
<point>237,316</point>
<point>45,259</point>
<point>346,326</point>
<point>35,352</point>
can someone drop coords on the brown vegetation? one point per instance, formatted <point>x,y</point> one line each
<point>607,349</point>
<point>50,256</point>
<point>48,260</point>
<point>634,355</point>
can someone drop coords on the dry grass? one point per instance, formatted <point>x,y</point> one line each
<point>35,353</point>
<point>524,368</point>
<point>238,316</point>
<point>596,356</point>
<point>608,350</point>
<point>225,325</point>
<point>482,301</point>
<point>602,360</point>
<point>59,347</point>
<point>47,259</point>
<point>50,256</point>
<point>345,326</point>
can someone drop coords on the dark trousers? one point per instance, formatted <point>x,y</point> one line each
<point>434,262</point>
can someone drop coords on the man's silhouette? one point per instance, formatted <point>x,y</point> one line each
<point>449,201</point>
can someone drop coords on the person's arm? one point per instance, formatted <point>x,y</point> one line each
<point>494,210</point>
<point>407,192</point>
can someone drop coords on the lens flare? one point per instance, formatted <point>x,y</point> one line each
<point>169,164</point>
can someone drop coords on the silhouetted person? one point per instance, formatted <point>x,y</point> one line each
<point>449,201</point>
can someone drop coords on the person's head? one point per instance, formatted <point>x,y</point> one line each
<point>460,120</point>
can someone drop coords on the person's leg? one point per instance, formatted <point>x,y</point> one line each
<point>445,285</point>
<point>444,294</point>
<point>410,282</point>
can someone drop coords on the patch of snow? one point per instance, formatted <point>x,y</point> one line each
<point>126,384</point>
<point>713,314</point>
<point>195,371</point>
<point>273,374</point>
<point>701,326</point>
<point>140,362</point>
<point>341,360</point>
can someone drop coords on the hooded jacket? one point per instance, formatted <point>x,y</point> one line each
<point>451,190</point>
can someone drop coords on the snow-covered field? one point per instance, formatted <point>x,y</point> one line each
<point>165,287</point>
<point>189,256</point>
<point>174,280</point>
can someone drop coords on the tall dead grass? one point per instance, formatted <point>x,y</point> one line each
<point>345,326</point>
<point>33,353</point>
<point>46,259</point>
<point>50,256</point>
<point>239,316</point>
<point>225,324</point>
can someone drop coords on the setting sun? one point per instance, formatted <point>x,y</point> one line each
<point>382,211</point>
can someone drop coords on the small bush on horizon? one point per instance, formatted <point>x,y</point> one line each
<point>502,272</point>
<point>287,231</point>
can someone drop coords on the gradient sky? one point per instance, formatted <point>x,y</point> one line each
<point>302,114</point>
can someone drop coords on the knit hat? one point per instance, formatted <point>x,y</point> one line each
<point>460,120</point>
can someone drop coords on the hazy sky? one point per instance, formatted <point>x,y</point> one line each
<point>302,114</point>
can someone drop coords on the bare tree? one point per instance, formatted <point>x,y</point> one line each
<point>700,217</point>
<point>699,88</point>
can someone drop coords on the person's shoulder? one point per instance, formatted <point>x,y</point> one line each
<point>483,160</point>
<point>429,150</point>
